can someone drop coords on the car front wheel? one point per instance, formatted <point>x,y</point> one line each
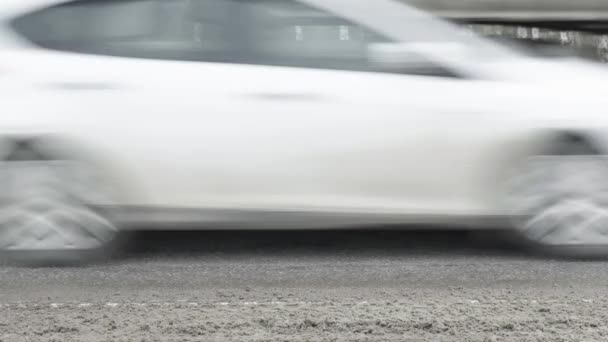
<point>560,202</point>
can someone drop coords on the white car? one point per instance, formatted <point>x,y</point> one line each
<point>282,114</point>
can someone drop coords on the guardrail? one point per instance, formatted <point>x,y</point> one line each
<point>579,15</point>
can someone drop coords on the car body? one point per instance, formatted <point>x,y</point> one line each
<point>252,125</point>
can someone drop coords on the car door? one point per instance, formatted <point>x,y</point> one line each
<point>305,121</point>
<point>255,104</point>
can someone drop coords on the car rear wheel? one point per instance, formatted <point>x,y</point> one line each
<point>49,213</point>
<point>560,203</point>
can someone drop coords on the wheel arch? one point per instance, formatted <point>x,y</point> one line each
<point>51,147</point>
<point>575,142</point>
<point>540,142</point>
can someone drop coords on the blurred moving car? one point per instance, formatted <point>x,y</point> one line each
<point>285,114</point>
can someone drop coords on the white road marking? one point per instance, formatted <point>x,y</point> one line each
<point>276,303</point>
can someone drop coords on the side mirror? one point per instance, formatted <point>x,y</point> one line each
<point>416,55</point>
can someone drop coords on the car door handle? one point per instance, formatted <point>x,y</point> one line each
<point>83,85</point>
<point>287,96</point>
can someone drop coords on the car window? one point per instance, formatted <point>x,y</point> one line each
<point>267,32</point>
<point>289,33</point>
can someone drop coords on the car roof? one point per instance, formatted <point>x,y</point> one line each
<point>390,13</point>
<point>12,8</point>
<point>360,9</point>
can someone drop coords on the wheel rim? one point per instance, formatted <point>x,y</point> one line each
<point>562,200</point>
<point>47,206</point>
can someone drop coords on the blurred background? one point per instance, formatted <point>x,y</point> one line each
<point>550,26</point>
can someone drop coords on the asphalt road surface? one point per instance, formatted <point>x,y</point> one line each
<point>310,286</point>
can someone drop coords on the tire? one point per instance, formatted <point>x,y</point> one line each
<point>559,202</point>
<point>50,214</point>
